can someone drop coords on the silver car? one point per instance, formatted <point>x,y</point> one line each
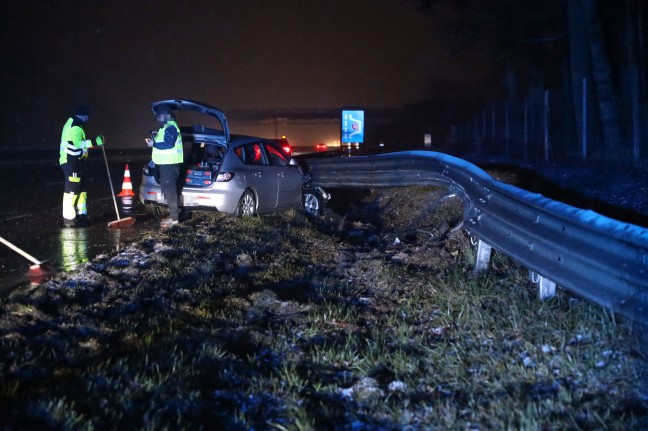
<point>240,175</point>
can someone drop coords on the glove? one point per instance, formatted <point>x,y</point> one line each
<point>100,140</point>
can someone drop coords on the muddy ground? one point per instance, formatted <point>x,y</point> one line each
<point>369,317</point>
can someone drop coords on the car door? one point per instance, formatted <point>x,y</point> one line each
<point>289,177</point>
<point>261,177</point>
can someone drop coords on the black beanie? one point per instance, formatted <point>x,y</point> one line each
<point>82,110</point>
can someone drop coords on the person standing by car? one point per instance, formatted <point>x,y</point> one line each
<point>73,153</point>
<point>168,156</point>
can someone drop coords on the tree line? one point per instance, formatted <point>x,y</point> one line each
<point>590,54</point>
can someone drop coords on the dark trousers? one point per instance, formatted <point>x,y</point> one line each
<point>74,167</point>
<point>169,182</point>
<point>74,194</point>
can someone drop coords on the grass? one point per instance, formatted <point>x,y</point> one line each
<point>285,323</point>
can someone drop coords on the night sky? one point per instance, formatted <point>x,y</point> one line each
<point>119,56</point>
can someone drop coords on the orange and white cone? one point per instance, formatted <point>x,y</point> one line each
<point>127,186</point>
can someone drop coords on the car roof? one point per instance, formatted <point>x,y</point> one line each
<point>192,105</point>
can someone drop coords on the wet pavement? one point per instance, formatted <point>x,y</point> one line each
<point>30,214</point>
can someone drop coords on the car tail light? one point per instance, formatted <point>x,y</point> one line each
<point>287,149</point>
<point>224,177</point>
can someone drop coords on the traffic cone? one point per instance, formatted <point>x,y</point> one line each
<point>127,186</point>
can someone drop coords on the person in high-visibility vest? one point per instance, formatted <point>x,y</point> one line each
<point>73,153</point>
<point>168,157</point>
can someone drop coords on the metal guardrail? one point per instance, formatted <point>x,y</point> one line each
<point>596,257</point>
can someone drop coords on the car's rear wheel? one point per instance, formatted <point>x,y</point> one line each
<point>247,205</point>
<point>313,203</point>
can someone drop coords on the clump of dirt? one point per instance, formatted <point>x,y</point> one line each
<point>369,317</point>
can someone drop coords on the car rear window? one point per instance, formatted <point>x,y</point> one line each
<point>251,154</point>
<point>276,155</point>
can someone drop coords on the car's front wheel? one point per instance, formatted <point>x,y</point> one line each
<point>313,203</point>
<point>247,205</point>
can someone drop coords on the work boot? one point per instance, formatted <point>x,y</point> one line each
<point>168,222</point>
<point>83,220</point>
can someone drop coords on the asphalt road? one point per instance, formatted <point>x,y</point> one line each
<point>30,214</point>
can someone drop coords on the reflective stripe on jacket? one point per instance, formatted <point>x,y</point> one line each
<point>73,141</point>
<point>168,156</point>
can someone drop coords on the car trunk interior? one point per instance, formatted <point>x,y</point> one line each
<point>203,164</point>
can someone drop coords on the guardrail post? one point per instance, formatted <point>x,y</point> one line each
<point>546,287</point>
<point>483,256</point>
